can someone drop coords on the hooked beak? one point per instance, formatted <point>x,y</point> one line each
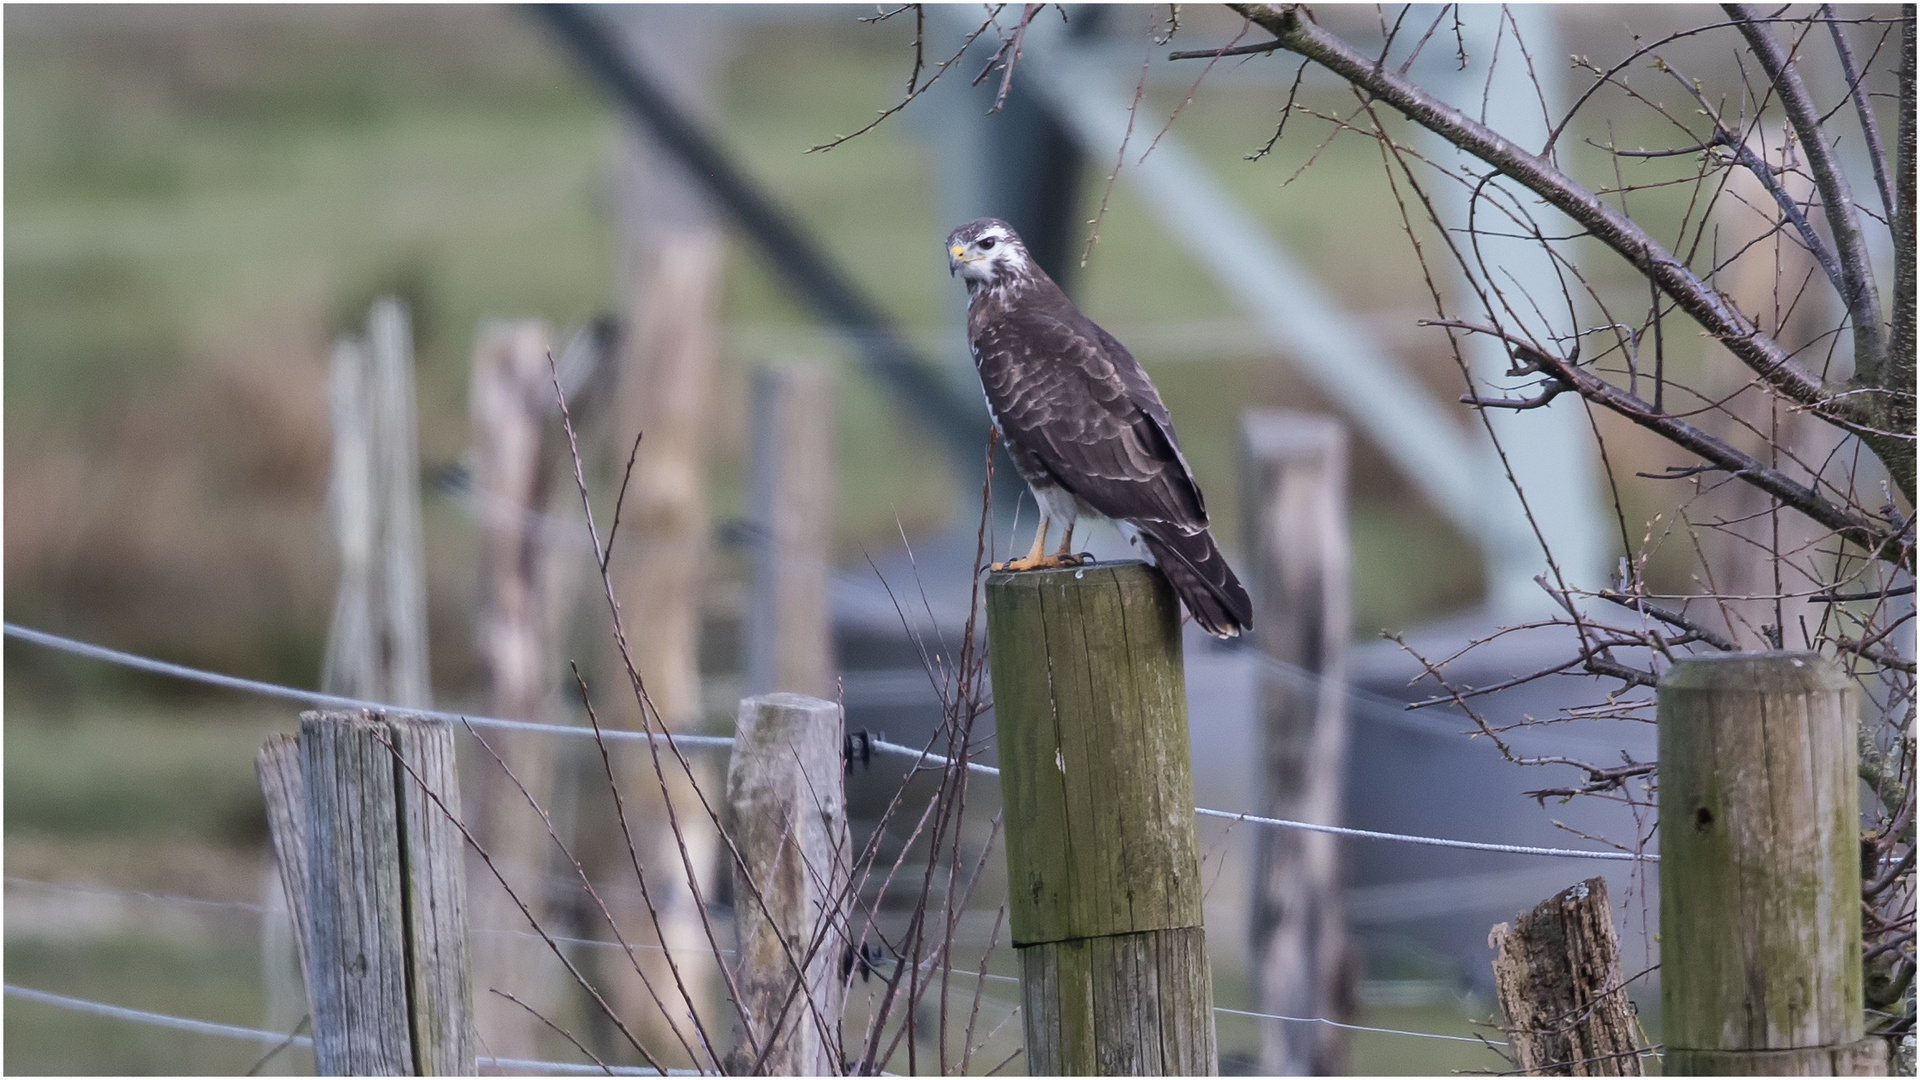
<point>955,256</point>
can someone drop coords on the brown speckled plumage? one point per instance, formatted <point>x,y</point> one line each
<point>1079,415</point>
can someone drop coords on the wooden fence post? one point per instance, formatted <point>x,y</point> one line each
<point>789,633</point>
<point>377,644</point>
<point>278,765</point>
<point>512,406</point>
<point>1293,471</point>
<point>788,810</point>
<point>383,915</point>
<point>1557,973</point>
<point>672,252</point>
<point>377,640</point>
<point>1103,869</point>
<point>1760,869</point>
<point>397,467</point>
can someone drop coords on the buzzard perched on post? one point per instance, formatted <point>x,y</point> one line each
<point>1084,425</point>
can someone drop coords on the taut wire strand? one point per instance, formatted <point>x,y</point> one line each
<point>923,759</point>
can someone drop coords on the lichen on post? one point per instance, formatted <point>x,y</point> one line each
<point>1760,868</point>
<point>1103,861</point>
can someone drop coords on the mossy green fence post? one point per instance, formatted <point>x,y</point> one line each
<point>1103,869</point>
<point>1760,869</point>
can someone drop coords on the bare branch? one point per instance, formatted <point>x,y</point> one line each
<point>1849,523</point>
<point>912,91</point>
<point>1599,780</point>
<point>1173,24</point>
<point>1220,53</point>
<point>1188,100</point>
<point>1547,393</point>
<point>1857,90</point>
<point>1896,413</point>
<point>1768,177</point>
<point>1119,159</point>
<point>1013,54</point>
<point>1845,598</point>
<point>1862,298</point>
<point>620,500</point>
<point>919,46</point>
<point>1671,618</point>
<point>1721,319</point>
<point>1286,110</point>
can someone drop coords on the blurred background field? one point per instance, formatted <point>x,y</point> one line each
<point>198,200</point>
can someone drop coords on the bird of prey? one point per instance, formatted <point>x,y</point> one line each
<point>1084,425</point>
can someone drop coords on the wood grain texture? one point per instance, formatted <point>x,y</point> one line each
<point>385,897</point>
<point>1557,973</point>
<point>285,793</point>
<point>788,806</point>
<point>1124,1005</point>
<point>1760,855</point>
<point>1090,697</point>
<point>1868,1057</point>
<point>1102,859</point>
<point>355,898</point>
<point>1293,474</point>
<point>432,852</point>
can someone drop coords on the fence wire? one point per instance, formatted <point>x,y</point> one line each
<point>277,1038</point>
<point>924,759</point>
<point>560,1068</point>
<point>205,1027</point>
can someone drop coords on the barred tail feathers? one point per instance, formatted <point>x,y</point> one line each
<point>1201,577</point>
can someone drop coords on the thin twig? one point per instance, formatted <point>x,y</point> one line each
<point>1869,125</point>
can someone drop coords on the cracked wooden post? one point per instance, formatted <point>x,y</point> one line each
<point>1103,867</point>
<point>384,910</point>
<point>788,806</point>
<point>1760,869</point>
<point>1557,973</point>
<point>278,766</point>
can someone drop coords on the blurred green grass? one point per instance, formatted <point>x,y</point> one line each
<point>154,795</point>
<point>217,981</point>
<point>151,774</point>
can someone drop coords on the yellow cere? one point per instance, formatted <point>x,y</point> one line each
<point>957,249</point>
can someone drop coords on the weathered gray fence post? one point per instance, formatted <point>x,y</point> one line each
<point>278,765</point>
<point>788,809</point>
<point>1557,973</point>
<point>1760,869</point>
<point>512,407</point>
<point>1103,869</point>
<point>377,643</point>
<point>672,254</point>
<point>377,640</point>
<point>1293,474</point>
<point>384,911</point>
<point>789,635</point>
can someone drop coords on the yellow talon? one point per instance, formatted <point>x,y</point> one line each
<point>1062,559</point>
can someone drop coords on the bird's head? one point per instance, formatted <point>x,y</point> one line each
<point>987,253</point>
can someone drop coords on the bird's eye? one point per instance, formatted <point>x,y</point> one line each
<point>986,244</point>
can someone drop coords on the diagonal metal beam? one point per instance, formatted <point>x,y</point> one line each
<point>1359,375</point>
<point>800,261</point>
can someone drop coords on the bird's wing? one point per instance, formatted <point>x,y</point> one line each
<point>1147,397</point>
<point>1065,391</point>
